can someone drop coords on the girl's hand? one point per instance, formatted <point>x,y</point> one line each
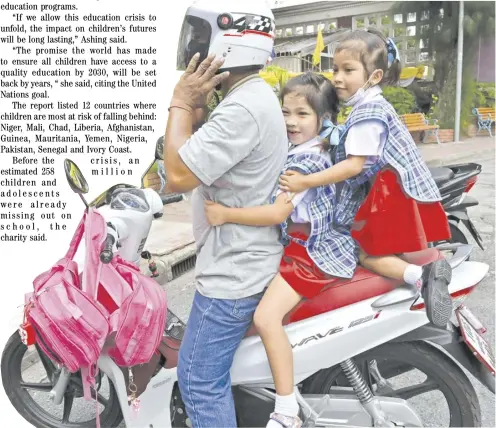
<point>215,213</point>
<point>293,182</point>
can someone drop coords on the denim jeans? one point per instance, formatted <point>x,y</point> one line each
<point>214,331</point>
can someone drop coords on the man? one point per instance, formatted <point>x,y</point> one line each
<point>234,159</point>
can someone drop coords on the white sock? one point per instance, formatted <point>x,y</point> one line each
<point>413,275</point>
<point>285,405</point>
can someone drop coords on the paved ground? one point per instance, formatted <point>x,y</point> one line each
<point>482,300</point>
<point>180,291</point>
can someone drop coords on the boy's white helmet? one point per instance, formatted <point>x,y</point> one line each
<point>243,34</point>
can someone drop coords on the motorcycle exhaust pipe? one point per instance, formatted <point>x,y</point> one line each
<point>58,391</point>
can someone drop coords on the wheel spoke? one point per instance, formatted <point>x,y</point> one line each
<point>99,397</point>
<point>102,400</point>
<point>47,362</point>
<point>414,390</point>
<point>68,402</point>
<point>394,370</point>
<point>44,387</point>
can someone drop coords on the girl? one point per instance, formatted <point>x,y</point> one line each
<point>396,217</point>
<point>309,101</point>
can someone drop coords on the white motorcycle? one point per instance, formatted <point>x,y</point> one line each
<point>364,350</point>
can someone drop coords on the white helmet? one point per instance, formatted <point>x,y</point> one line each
<point>243,35</point>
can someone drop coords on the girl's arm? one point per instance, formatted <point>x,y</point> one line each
<point>264,215</point>
<point>363,140</point>
<point>293,181</point>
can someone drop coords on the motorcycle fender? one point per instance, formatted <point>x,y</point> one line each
<point>451,342</point>
<point>463,217</point>
<point>469,201</point>
<point>458,214</point>
<point>473,231</point>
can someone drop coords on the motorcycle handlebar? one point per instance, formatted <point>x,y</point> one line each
<point>106,255</point>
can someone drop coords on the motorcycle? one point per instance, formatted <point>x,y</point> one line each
<point>351,344</point>
<point>454,182</point>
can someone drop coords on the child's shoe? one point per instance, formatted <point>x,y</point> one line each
<point>285,421</point>
<point>436,277</point>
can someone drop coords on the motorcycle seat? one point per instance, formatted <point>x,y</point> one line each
<point>343,292</point>
<point>441,175</point>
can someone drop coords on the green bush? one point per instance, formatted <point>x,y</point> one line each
<point>401,99</point>
<point>432,110</point>
<point>484,94</point>
<point>343,114</point>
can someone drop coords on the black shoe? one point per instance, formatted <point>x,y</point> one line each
<point>436,277</point>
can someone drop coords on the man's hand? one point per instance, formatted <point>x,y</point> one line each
<point>293,182</point>
<point>215,213</point>
<point>195,87</point>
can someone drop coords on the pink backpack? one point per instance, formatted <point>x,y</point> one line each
<point>71,324</point>
<point>139,320</point>
<point>142,314</point>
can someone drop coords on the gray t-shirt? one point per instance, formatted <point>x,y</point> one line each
<point>238,156</point>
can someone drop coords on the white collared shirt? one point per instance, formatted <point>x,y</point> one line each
<point>302,200</point>
<point>367,138</point>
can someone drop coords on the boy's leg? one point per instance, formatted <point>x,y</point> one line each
<point>214,331</point>
<point>432,279</point>
<point>278,300</point>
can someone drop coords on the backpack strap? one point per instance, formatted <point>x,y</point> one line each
<point>76,239</point>
<point>95,232</point>
<point>88,375</point>
<point>66,263</point>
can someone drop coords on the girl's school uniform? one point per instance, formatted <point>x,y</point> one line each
<point>316,247</point>
<point>402,211</point>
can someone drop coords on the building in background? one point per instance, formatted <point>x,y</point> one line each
<point>297,26</point>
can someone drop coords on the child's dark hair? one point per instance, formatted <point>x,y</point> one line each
<point>318,91</point>
<point>371,48</point>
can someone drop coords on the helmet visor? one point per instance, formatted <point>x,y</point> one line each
<point>195,38</point>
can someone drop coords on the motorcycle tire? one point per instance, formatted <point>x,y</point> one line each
<point>29,409</point>
<point>457,236</point>
<point>394,359</point>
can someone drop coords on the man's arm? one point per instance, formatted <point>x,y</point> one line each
<point>190,93</point>
<point>179,128</point>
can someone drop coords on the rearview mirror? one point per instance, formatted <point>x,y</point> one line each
<point>75,178</point>
<point>159,149</point>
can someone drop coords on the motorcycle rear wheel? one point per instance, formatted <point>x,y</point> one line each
<point>457,237</point>
<point>17,389</point>
<point>397,359</point>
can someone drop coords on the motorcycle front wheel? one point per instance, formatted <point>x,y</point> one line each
<point>28,377</point>
<point>429,380</point>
